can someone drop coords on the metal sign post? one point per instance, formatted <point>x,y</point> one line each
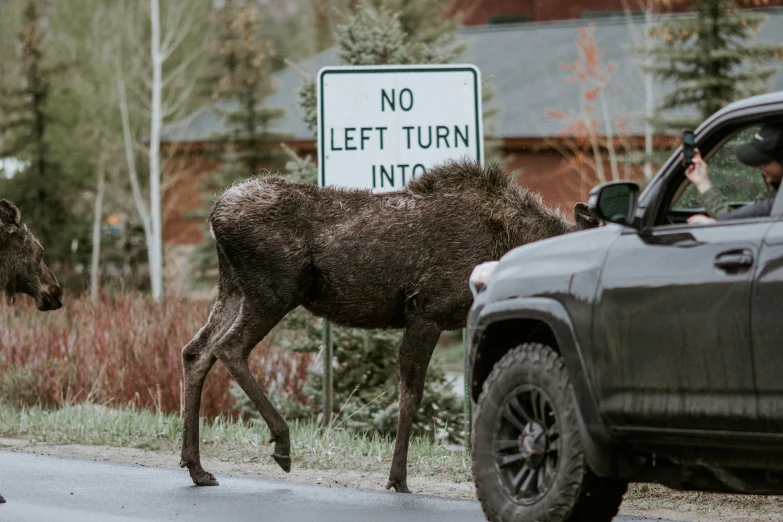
<point>468,402</point>
<point>328,353</point>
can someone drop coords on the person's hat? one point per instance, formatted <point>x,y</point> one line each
<point>767,145</point>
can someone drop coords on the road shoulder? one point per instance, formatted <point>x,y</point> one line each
<point>644,501</point>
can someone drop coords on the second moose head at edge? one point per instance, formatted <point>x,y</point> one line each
<point>22,266</point>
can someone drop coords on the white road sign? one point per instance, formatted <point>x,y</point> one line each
<point>381,126</point>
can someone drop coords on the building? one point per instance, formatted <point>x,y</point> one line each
<point>523,62</point>
<point>492,12</point>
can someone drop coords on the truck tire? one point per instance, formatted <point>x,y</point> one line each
<point>528,459</point>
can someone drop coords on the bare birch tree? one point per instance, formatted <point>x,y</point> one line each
<point>641,39</point>
<point>96,229</point>
<point>102,124</point>
<point>592,127</point>
<point>157,56</point>
<point>168,81</point>
<point>130,158</point>
<point>82,30</point>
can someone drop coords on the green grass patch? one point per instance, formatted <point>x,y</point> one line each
<point>313,447</point>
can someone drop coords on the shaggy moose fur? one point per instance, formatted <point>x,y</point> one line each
<point>22,269</point>
<point>394,260</point>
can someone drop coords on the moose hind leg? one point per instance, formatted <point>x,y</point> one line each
<point>196,363</point>
<point>418,343</point>
<point>254,324</point>
<point>198,357</point>
<point>240,371</point>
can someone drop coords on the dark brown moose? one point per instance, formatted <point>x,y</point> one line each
<point>22,269</point>
<point>394,260</point>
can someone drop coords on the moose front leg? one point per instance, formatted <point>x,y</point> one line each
<point>2,500</point>
<point>418,343</point>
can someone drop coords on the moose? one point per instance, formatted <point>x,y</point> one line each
<point>22,268</point>
<point>395,260</point>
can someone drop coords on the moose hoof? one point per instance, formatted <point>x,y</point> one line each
<point>198,474</point>
<point>207,479</point>
<point>2,500</point>
<point>399,486</point>
<point>203,478</point>
<point>284,461</point>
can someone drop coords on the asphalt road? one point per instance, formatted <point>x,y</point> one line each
<point>42,489</point>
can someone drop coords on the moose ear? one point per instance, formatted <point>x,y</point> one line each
<point>10,216</point>
<point>583,217</point>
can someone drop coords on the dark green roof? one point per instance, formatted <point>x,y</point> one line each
<point>523,61</point>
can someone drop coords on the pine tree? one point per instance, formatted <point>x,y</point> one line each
<point>246,83</point>
<point>397,32</point>
<point>365,387</point>
<point>390,32</point>
<point>244,80</point>
<point>712,60</point>
<point>39,189</point>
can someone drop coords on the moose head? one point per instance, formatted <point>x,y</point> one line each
<point>22,267</point>
<point>583,218</point>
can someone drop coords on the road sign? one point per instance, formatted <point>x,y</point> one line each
<point>381,126</point>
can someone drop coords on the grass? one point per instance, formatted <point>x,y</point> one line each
<point>313,447</point>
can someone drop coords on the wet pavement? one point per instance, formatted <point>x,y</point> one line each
<point>42,488</point>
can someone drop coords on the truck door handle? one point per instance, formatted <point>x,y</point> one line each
<point>734,260</point>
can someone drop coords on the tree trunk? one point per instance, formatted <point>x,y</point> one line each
<point>156,250</point>
<point>96,231</point>
<point>609,134</point>
<point>599,162</point>
<point>649,98</point>
<point>138,199</point>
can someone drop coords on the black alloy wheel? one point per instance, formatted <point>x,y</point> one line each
<point>526,444</point>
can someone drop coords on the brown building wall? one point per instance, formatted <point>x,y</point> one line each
<point>184,197</point>
<point>545,173</point>
<point>483,12</point>
<point>571,9</point>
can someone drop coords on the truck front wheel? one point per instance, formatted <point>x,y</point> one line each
<point>528,459</point>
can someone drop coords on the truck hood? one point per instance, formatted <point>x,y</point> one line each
<point>545,267</point>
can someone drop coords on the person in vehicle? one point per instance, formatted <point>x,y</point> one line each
<point>765,151</point>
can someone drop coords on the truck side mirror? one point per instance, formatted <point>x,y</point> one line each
<point>614,202</point>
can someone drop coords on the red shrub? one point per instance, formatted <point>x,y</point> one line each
<point>122,350</point>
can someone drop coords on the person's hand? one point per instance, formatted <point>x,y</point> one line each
<point>697,173</point>
<point>700,219</point>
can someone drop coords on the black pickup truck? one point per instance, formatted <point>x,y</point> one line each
<point>645,350</point>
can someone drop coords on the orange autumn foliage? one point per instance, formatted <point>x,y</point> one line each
<point>589,130</point>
